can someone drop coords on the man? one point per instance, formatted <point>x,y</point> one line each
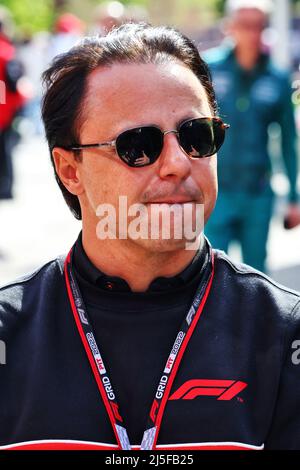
<point>139,342</point>
<point>252,93</point>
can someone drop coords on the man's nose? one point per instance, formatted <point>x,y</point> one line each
<point>174,163</point>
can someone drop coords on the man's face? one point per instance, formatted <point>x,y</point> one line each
<point>246,27</point>
<point>127,96</point>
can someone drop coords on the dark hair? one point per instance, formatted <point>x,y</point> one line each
<point>65,80</point>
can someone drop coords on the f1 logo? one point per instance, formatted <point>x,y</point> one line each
<point>223,389</point>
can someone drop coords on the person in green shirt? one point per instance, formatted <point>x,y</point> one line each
<point>252,93</point>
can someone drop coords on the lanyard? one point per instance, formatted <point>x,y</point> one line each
<point>167,378</point>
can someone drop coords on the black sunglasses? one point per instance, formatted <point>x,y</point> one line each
<point>141,146</point>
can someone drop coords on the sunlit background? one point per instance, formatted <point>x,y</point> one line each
<point>35,224</point>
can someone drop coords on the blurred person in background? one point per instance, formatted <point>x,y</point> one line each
<point>252,93</point>
<point>136,13</point>
<point>109,15</point>
<point>33,52</point>
<point>12,100</point>
<point>36,52</point>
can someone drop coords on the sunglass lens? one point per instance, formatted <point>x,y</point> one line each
<point>140,147</point>
<point>202,137</point>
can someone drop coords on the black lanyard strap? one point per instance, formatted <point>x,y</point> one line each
<point>169,373</point>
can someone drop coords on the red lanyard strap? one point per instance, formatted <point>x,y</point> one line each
<point>167,378</point>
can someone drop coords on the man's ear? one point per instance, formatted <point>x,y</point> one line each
<point>67,170</point>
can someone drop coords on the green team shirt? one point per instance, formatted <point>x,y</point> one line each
<point>249,101</point>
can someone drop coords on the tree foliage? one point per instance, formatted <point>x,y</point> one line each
<point>30,15</point>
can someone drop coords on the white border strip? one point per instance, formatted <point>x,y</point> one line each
<point>212,444</point>
<point>115,446</point>
<point>58,441</point>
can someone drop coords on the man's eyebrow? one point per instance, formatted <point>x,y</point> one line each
<point>187,117</point>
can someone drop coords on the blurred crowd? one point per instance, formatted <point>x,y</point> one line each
<point>251,94</point>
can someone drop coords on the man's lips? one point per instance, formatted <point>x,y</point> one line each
<point>172,200</point>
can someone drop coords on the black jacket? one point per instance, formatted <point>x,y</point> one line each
<point>245,345</point>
